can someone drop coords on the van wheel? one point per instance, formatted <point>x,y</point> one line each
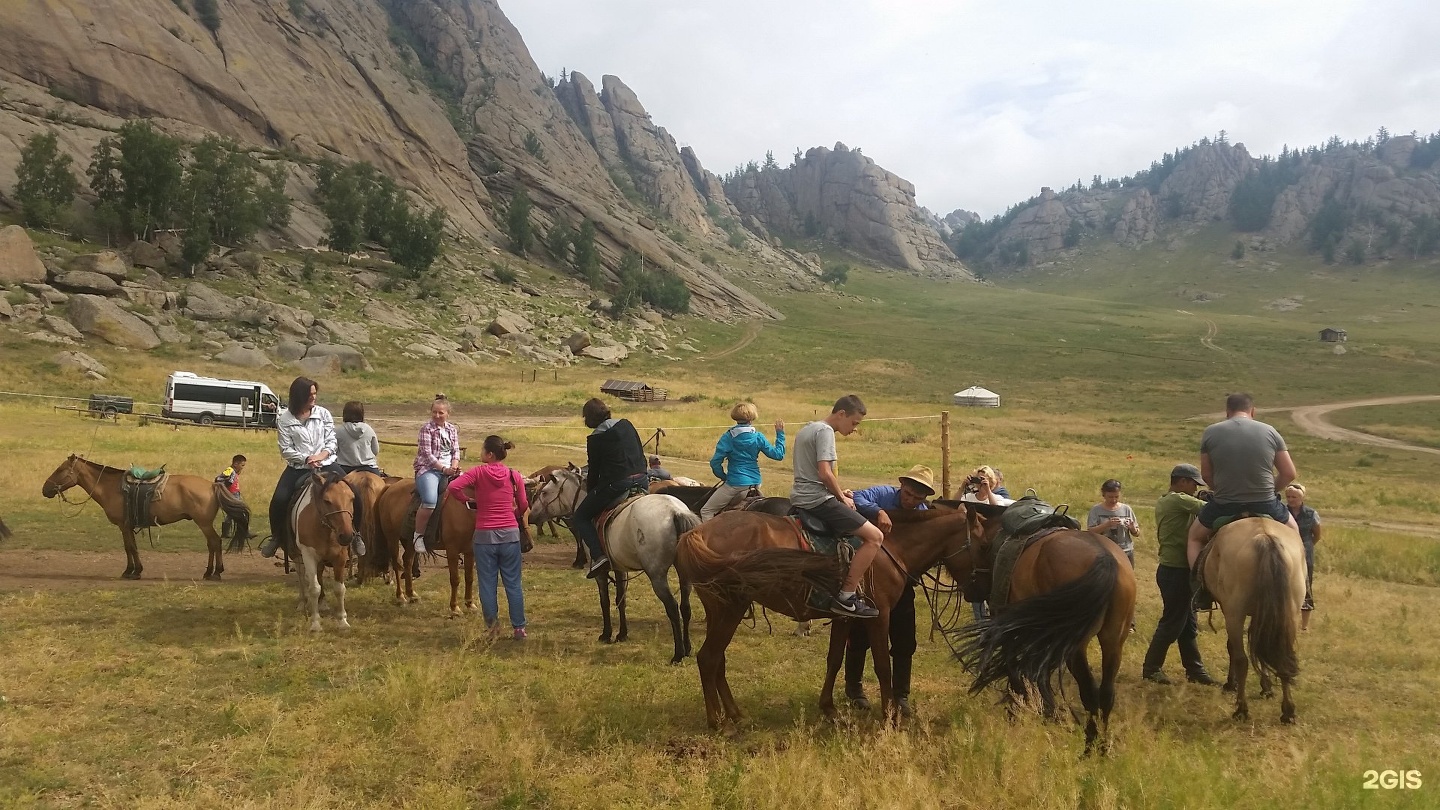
<point>207,418</point>
<point>110,412</point>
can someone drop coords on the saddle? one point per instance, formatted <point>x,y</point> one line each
<point>432,529</point>
<point>603,521</point>
<point>1023,523</point>
<point>1201,599</point>
<point>816,538</point>
<point>139,489</point>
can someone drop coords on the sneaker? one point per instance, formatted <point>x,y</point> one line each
<point>1158,677</point>
<point>520,634</point>
<point>853,608</point>
<point>1203,678</point>
<point>357,547</point>
<point>420,545</point>
<point>269,547</point>
<point>598,568</point>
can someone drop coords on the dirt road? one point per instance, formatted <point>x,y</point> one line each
<point>752,331</point>
<point>1311,419</point>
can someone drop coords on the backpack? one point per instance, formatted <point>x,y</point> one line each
<point>1029,514</point>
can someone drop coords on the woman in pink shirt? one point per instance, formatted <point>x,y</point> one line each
<point>499,496</point>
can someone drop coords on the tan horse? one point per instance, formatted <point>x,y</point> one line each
<point>1066,588</point>
<point>738,558</point>
<point>187,497</point>
<point>393,547</point>
<point>325,517</point>
<point>1256,568</point>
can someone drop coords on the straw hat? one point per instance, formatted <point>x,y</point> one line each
<point>921,476</point>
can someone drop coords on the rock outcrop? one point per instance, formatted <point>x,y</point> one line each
<point>18,262</point>
<point>102,318</point>
<point>845,196</point>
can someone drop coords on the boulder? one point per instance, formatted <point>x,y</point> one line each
<point>319,366</point>
<point>378,312</point>
<point>6,311</point>
<point>289,351</point>
<point>459,358</point>
<point>368,280</point>
<point>61,327</point>
<point>507,323</point>
<point>578,342</point>
<point>46,337</point>
<point>606,354</point>
<point>18,262</point>
<point>101,318</point>
<point>653,317</point>
<point>169,334</point>
<point>206,304</point>
<point>149,297</point>
<point>520,338</point>
<point>144,254</point>
<point>422,350</point>
<point>81,362</point>
<point>246,260</point>
<point>29,313</point>
<point>48,294</point>
<point>687,346</point>
<point>350,357</point>
<point>106,263</point>
<point>85,281</point>
<point>241,356</point>
<point>345,331</point>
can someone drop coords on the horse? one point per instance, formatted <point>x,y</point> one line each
<point>532,484</point>
<point>640,537</point>
<point>325,516</point>
<point>368,487</point>
<point>186,497</point>
<point>1066,588</point>
<point>1256,567</point>
<point>394,550</point>
<point>738,558</point>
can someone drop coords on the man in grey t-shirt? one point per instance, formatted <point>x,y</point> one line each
<point>817,491</point>
<point>1247,464</point>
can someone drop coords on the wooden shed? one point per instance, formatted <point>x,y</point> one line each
<point>1329,335</point>
<point>634,391</point>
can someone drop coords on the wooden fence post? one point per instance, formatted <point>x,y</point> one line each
<point>945,454</point>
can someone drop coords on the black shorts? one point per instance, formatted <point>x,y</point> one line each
<point>840,519</point>
<point>1212,511</point>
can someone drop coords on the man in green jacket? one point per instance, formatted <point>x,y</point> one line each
<point>1173,514</point>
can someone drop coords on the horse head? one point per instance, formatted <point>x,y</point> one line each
<point>982,524</point>
<point>336,502</point>
<point>558,495</point>
<point>65,476</point>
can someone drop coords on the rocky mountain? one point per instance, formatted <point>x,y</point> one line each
<point>441,95</point>
<point>845,197</point>
<point>1368,200</point>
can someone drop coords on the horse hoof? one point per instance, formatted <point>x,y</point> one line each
<point>1266,693</point>
<point>679,659</point>
<point>606,640</point>
<point>621,637</point>
<point>472,606</point>
<point>1241,714</point>
<point>315,628</point>
<point>455,614</point>
<point>1287,719</point>
<point>1229,687</point>
<point>130,575</point>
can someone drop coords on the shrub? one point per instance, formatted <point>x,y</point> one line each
<point>44,184</point>
<point>534,146</point>
<point>1073,234</point>
<point>1238,252</point>
<point>209,13</point>
<point>737,239</point>
<point>505,275</point>
<point>517,222</point>
<point>836,274</point>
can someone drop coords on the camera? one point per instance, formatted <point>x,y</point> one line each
<point>974,482</point>
<point>1205,495</point>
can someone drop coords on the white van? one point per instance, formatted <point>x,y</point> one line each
<point>209,399</point>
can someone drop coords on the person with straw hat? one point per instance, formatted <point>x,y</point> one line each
<point>916,486</point>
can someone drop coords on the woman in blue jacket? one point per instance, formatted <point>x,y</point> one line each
<point>742,445</point>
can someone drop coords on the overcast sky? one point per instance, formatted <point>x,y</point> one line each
<point>979,104</point>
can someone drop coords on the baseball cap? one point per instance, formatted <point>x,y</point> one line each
<point>1188,471</point>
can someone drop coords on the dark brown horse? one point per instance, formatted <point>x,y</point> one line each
<point>187,497</point>
<point>739,558</point>
<point>1256,569</point>
<point>1066,588</point>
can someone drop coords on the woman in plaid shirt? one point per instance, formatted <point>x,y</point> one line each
<point>437,458</point>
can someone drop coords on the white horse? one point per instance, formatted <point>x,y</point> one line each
<point>640,537</point>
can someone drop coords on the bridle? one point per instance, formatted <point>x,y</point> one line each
<point>546,502</point>
<point>60,491</point>
<point>318,497</point>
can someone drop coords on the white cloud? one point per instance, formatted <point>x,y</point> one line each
<point>981,103</point>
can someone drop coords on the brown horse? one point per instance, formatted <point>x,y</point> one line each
<point>368,487</point>
<point>187,497</point>
<point>325,517</point>
<point>1066,588</point>
<point>1256,568</point>
<point>742,557</point>
<point>393,547</point>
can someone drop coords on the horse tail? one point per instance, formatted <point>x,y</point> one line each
<point>743,578</point>
<point>1274,618</point>
<point>694,559</point>
<point>1031,639</point>
<point>378,552</point>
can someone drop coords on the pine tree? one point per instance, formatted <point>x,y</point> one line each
<point>517,222</point>
<point>587,258</point>
<point>44,184</point>
<point>209,13</point>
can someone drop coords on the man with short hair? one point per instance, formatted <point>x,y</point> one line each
<point>817,491</point>
<point>916,486</point>
<point>1247,465</point>
<point>1173,514</point>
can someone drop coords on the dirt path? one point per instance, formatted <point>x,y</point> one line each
<point>1211,331</point>
<point>1311,419</point>
<point>752,331</point>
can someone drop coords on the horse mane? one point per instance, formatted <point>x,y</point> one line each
<point>104,468</point>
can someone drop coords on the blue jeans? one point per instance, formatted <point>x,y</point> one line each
<point>502,561</point>
<point>427,485</point>
<point>1309,603</point>
<point>596,502</point>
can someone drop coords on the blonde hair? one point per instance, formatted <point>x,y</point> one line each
<point>744,412</point>
<point>988,473</point>
<point>1300,488</point>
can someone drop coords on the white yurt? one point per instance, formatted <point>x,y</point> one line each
<point>977,397</point>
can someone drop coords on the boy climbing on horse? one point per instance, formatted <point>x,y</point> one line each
<point>817,491</point>
<point>237,513</point>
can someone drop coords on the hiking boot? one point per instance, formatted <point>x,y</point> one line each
<point>856,696</point>
<point>269,547</point>
<point>520,634</point>
<point>902,705</point>
<point>598,568</point>
<point>853,608</point>
<point>357,547</point>
<point>1158,677</point>
<point>1202,677</point>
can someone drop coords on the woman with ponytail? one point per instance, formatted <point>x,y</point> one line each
<point>500,506</point>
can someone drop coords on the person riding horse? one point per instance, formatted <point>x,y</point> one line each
<point>739,448</point>
<point>616,465</point>
<point>916,486</point>
<point>305,433</point>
